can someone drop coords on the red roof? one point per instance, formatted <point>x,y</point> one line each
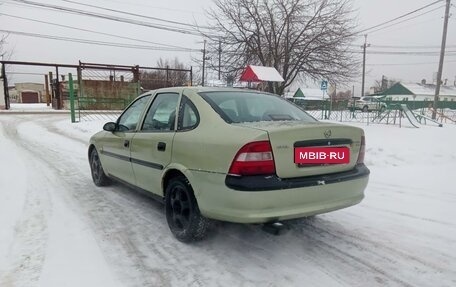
<point>260,74</point>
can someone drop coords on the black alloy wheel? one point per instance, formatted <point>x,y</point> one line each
<point>182,212</point>
<point>98,175</point>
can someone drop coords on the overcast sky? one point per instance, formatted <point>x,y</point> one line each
<point>425,30</point>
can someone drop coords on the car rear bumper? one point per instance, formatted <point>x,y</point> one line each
<point>218,201</point>
<point>262,183</point>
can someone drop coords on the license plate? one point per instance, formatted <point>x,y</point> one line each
<point>322,155</point>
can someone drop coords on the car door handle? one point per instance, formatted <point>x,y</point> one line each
<point>161,146</point>
<point>126,143</point>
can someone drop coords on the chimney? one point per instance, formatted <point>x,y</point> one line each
<point>445,83</point>
<point>423,81</point>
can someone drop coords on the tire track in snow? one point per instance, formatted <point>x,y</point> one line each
<point>367,251</point>
<point>129,234</point>
<point>101,218</point>
<point>31,233</point>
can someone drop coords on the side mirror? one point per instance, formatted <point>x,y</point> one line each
<point>110,127</point>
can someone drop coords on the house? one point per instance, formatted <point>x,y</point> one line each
<point>29,93</point>
<point>418,92</point>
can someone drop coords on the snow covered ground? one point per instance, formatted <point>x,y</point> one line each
<point>58,229</point>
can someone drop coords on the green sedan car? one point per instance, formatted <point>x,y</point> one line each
<point>232,155</point>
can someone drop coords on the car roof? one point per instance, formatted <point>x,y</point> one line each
<point>199,89</point>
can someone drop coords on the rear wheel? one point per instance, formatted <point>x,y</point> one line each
<point>182,213</point>
<point>98,175</point>
<point>365,109</point>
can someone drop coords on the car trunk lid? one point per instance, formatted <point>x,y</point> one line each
<point>286,136</point>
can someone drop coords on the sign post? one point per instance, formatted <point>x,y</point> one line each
<point>323,88</point>
<point>72,99</point>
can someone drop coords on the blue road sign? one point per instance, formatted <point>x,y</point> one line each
<point>324,85</point>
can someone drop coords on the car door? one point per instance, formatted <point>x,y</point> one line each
<point>116,145</point>
<point>151,147</point>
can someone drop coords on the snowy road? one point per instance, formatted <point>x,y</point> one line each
<point>58,229</point>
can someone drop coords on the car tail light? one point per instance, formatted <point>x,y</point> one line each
<point>254,158</point>
<point>362,150</point>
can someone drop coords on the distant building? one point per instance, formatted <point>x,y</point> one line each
<point>28,93</point>
<point>418,92</point>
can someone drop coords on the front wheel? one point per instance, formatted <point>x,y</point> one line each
<point>365,109</point>
<point>98,175</point>
<point>182,213</point>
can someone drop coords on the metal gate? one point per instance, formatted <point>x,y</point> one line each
<point>103,91</point>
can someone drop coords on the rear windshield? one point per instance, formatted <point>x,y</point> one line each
<point>238,107</point>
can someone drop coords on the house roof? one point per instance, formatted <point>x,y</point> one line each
<point>260,74</point>
<point>310,94</point>
<point>419,90</point>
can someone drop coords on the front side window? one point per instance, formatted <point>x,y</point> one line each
<point>161,115</point>
<point>240,106</point>
<point>131,116</point>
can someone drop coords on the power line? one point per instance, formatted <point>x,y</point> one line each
<point>408,64</point>
<point>399,17</point>
<point>136,15</point>
<point>449,53</point>
<point>405,20</point>
<point>110,17</point>
<point>410,47</point>
<point>91,31</point>
<point>155,7</point>
<point>101,43</point>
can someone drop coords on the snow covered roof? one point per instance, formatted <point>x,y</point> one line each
<point>314,94</point>
<point>260,74</point>
<point>309,94</point>
<point>429,89</point>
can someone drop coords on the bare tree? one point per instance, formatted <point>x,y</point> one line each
<point>166,76</point>
<point>5,55</point>
<point>300,38</point>
<point>383,84</point>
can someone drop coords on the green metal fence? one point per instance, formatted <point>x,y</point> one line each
<point>342,111</point>
<point>90,108</point>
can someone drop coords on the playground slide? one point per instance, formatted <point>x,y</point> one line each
<point>410,116</point>
<point>418,116</point>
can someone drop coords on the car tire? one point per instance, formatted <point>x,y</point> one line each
<point>365,109</point>
<point>182,213</point>
<point>98,175</point>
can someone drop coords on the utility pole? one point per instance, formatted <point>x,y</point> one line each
<point>442,56</point>
<point>204,62</point>
<point>364,63</point>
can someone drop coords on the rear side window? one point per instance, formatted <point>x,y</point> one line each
<point>188,115</point>
<point>239,106</point>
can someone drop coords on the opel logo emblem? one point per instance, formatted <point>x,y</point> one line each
<point>327,134</point>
